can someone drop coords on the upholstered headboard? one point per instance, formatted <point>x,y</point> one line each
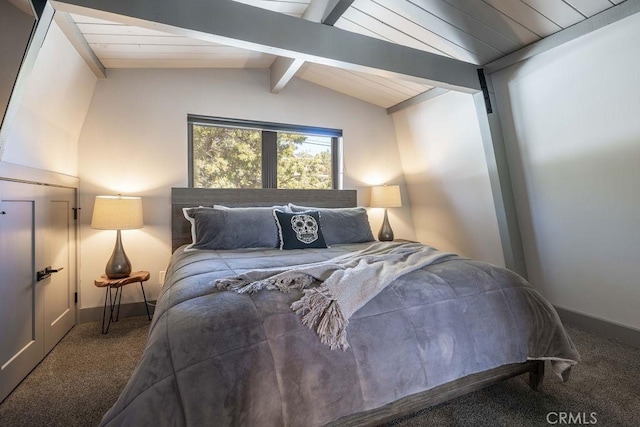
<point>188,197</point>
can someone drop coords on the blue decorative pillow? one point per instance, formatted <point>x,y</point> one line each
<point>342,225</point>
<point>231,228</point>
<point>299,230</point>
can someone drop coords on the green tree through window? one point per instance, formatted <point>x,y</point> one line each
<point>222,156</point>
<point>226,157</point>
<point>304,161</point>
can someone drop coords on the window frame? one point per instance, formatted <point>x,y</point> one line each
<point>269,144</point>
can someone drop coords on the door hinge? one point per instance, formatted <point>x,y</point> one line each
<point>75,213</point>
<point>75,297</point>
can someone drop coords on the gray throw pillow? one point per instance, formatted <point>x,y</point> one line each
<point>235,228</point>
<point>342,225</point>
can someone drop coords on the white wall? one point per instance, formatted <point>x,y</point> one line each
<point>134,142</point>
<point>44,134</point>
<point>571,126</point>
<point>446,173</point>
<point>15,31</point>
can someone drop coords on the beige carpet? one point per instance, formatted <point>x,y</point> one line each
<point>82,377</point>
<point>604,390</point>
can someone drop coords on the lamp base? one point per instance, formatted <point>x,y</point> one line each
<point>386,233</point>
<point>119,265</point>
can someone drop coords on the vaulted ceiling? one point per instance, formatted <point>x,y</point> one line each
<point>473,31</point>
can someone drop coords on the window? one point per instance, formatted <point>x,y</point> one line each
<point>225,153</point>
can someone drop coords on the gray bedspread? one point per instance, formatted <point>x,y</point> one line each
<point>221,358</point>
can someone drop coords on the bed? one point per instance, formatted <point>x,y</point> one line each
<point>216,356</point>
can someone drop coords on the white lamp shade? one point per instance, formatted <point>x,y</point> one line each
<point>117,213</point>
<point>386,196</point>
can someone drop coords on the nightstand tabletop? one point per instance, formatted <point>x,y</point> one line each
<point>138,276</point>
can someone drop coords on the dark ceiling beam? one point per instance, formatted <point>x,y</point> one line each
<point>336,9</point>
<point>237,24</point>
<point>283,69</point>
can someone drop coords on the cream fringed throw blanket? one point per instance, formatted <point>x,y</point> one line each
<point>349,282</point>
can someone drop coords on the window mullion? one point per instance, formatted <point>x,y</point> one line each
<point>269,159</point>
<point>335,162</point>
<point>190,174</point>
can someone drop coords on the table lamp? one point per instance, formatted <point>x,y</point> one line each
<point>385,196</point>
<point>117,213</point>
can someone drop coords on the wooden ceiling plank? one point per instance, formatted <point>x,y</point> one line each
<point>80,19</point>
<point>142,40</point>
<point>348,88</point>
<point>149,48</point>
<point>590,7</point>
<point>292,8</point>
<point>432,44</point>
<point>557,11</point>
<point>469,24</point>
<point>119,29</point>
<point>164,63</point>
<point>400,86</point>
<point>526,16</point>
<point>364,82</point>
<point>343,89</point>
<point>182,56</point>
<point>419,23</point>
<point>219,22</point>
<point>382,84</point>
<point>496,20</point>
<point>347,77</point>
<point>348,25</point>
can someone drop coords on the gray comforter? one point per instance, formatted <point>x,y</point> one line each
<point>222,358</point>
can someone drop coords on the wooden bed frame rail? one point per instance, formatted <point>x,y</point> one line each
<point>445,392</point>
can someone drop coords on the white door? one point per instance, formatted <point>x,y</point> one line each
<point>37,230</point>
<point>56,249</point>
<point>21,333</point>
